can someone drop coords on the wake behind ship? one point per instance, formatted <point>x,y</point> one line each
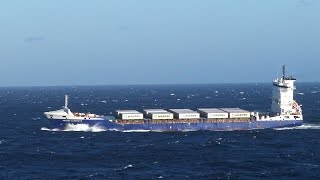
<point>285,112</point>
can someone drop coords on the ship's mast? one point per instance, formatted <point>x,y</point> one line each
<point>66,101</point>
<point>284,72</point>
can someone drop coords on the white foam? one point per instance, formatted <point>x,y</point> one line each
<point>2,141</point>
<point>129,166</point>
<point>47,129</point>
<point>304,126</point>
<point>138,130</point>
<point>124,168</point>
<point>77,127</point>
<point>188,130</point>
<point>157,131</point>
<point>83,127</point>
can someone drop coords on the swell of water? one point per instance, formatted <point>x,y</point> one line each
<point>303,127</point>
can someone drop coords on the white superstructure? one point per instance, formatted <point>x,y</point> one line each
<point>282,97</point>
<point>66,114</point>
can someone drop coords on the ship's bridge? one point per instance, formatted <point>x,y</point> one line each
<point>282,98</point>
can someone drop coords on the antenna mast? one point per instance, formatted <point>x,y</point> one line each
<point>283,72</point>
<point>66,101</point>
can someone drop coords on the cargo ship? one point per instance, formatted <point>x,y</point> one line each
<point>285,112</point>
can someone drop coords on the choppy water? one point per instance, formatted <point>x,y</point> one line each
<point>30,150</point>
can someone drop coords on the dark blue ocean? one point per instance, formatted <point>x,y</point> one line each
<point>29,149</point>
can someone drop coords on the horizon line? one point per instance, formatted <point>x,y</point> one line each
<point>142,84</point>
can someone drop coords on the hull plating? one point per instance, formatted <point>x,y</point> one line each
<point>109,125</point>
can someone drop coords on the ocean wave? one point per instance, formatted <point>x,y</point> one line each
<point>189,130</point>
<point>304,126</point>
<point>138,130</point>
<point>47,129</point>
<point>124,168</point>
<point>2,141</point>
<point>77,127</point>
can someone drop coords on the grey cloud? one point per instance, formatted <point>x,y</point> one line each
<point>33,39</point>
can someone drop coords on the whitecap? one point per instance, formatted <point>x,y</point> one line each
<point>126,167</point>
<point>83,127</point>
<point>188,130</point>
<point>138,130</point>
<point>47,129</point>
<point>144,145</point>
<point>304,126</point>
<point>129,166</point>
<point>77,127</point>
<point>312,165</point>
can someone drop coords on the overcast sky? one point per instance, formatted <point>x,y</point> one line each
<point>81,42</point>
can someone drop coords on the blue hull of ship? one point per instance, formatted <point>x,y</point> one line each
<point>228,126</point>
